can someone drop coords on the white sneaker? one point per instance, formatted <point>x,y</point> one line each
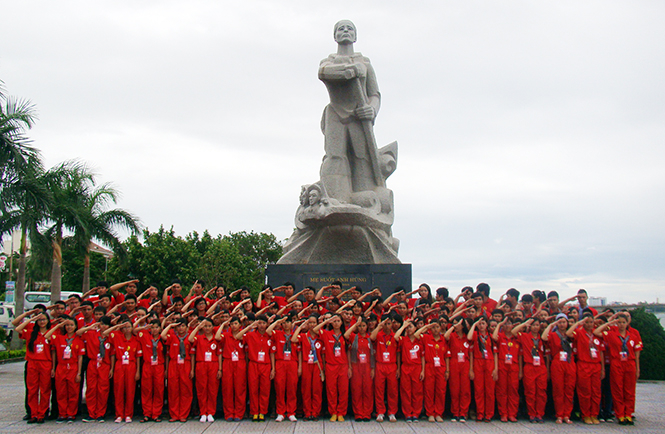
<point>203,419</point>
<point>392,418</point>
<point>118,419</point>
<point>210,418</point>
<point>280,418</point>
<point>128,419</point>
<point>379,418</point>
<point>292,418</point>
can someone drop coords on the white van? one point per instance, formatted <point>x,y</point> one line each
<point>33,298</point>
<point>6,317</point>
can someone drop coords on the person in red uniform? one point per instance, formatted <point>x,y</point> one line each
<point>180,370</point>
<point>362,370</point>
<point>484,369</point>
<point>99,373</point>
<point>152,376</point>
<point>533,368</point>
<point>437,369</point>
<point>624,346</point>
<point>234,368</point>
<point>69,350</point>
<point>563,370</point>
<point>208,367</point>
<point>411,365</point>
<point>310,367</point>
<point>336,366</point>
<point>386,374</point>
<point>258,349</point>
<point>284,358</point>
<point>459,380</point>
<point>39,361</point>
<point>508,383</point>
<point>590,367</point>
<point>126,365</point>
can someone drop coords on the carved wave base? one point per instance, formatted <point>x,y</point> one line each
<point>340,244</point>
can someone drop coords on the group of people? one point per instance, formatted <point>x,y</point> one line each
<point>372,355</point>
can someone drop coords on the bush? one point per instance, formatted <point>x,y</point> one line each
<point>653,337</point>
<point>3,335</point>
<point>12,354</point>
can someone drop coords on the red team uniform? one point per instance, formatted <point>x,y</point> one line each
<point>411,386</point>
<point>179,381</point>
<point>152,376</point>
<point>67,351</point>
<point>258,378</point>
<point>386,372</point>
<point>38,373</point>
<point>286,373</point>
<point>459,382</point>
<point>362,385</point>
<point>234,380</point>
<point>507,388</point>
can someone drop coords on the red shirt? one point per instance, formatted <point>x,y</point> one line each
<point>207,350</point>
<point>508,349</point>
<point>232,348</point>
<point>588,346</point>
<point>334,347</point>
<point>146,340</point>
<point>41,349</point>
<point>173,347</point>
<point>559,355</point>
<point>126,351</point>
<point>281,349</point>
<point>486,341</point>
<point>615,344</point>
<point>91,339</point>
<point>386,347</point>
<point>67,349</point>
<point>258,346</point>
<point>435,349</point>
<point>361,351</point>
<point>145,302</point>
<point>489,306</point>
<point>310,355</point>
<point>81,322</point>
<point>281,301</point>
<point>527,345</point>
<point>459,348</point>
<point>411,351</point>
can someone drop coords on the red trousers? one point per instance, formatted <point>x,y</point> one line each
<point>38,381</point>
<point>411,389</point>
<point>67,389</point>
<point>435,389</point>
<point>588,388</point>
<point>483,386</point>
<point>385,374</point>
<point>98,385</point>
<point>362,390</point>
<point>312,387</point>
<point>234,388</point>
<point>535,389</point>
<point>337,388</point>
<point>207,386</point>
<point>460,388</point>
<point>507,390</point>
<point>180,389</point>
<point>259,387</point>
<point>124,387</point>
<point>286,387</point>
<point>622,383</point>
<point>563,376</point>
<point>152,390</point>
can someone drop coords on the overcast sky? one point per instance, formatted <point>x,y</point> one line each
<point>531,134</point>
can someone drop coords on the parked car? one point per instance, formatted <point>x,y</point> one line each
<point>33,298</point>
<point>6,317</point>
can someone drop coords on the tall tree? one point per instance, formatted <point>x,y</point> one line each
<point>95,222</point>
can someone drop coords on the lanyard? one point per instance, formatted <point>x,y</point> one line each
<point>102,348</point>
<point>312,349</point>
<point>155,342</point>
<point>565,345</point>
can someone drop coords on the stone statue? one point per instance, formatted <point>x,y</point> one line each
<point>346,217</point>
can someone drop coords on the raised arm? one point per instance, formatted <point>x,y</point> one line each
<point>165,332</point>
<point>317,329</point>
<point>599,331</point>
<point>272,326</point>
<point>376,330</point>
<point>469,335</point>
<point>16,321</point>
<point>192,335</point>
<point>114,289</point>
<point>422,330</point>
<point>399,332</point>
<point>244,331</point>
<point>546,332</point>
<point>518,328</point>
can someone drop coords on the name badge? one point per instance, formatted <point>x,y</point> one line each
<point>181,360</point>
<point>362,358</point>
<point>125,358</point>
<point>39,348</point>
<point>338,352</point>
<point>563,356</point>
<point>594,353</point>
<point>509,359</point>
<point>460,357</point>
<point>207,356</point>
<point>386,357</point>
<point>153,361</point>
<point>310,358</point>
<point>486,354</point>
<point>261,356</point>
<point>536,360</point>
<point>287,355</point>
<point>67,353</point>
<point>413,354</point>
<point>234,356</point>
<point>624,356</point>
<point>437,362</point>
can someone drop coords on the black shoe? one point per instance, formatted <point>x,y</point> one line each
<point>32,420</point>
<point>40,421</point>
<point>60,420</point>
<point>26,417</point>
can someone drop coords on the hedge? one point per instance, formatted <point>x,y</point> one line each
<point>11,354</point>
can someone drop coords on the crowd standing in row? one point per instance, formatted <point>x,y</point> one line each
<point>420,352</point>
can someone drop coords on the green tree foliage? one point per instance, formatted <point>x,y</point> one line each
<point>230,260</point>
<point>653,337</point>
<point>73,266</point>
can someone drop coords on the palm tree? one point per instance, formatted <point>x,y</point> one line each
<point>99,224</point>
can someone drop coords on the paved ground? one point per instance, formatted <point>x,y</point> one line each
<point>650,419</point>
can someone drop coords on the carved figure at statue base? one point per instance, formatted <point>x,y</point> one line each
<point>346,217</point>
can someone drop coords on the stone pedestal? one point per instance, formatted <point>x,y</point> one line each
<point>366,276</point>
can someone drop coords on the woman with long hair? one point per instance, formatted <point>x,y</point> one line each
<point>459,381</point>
